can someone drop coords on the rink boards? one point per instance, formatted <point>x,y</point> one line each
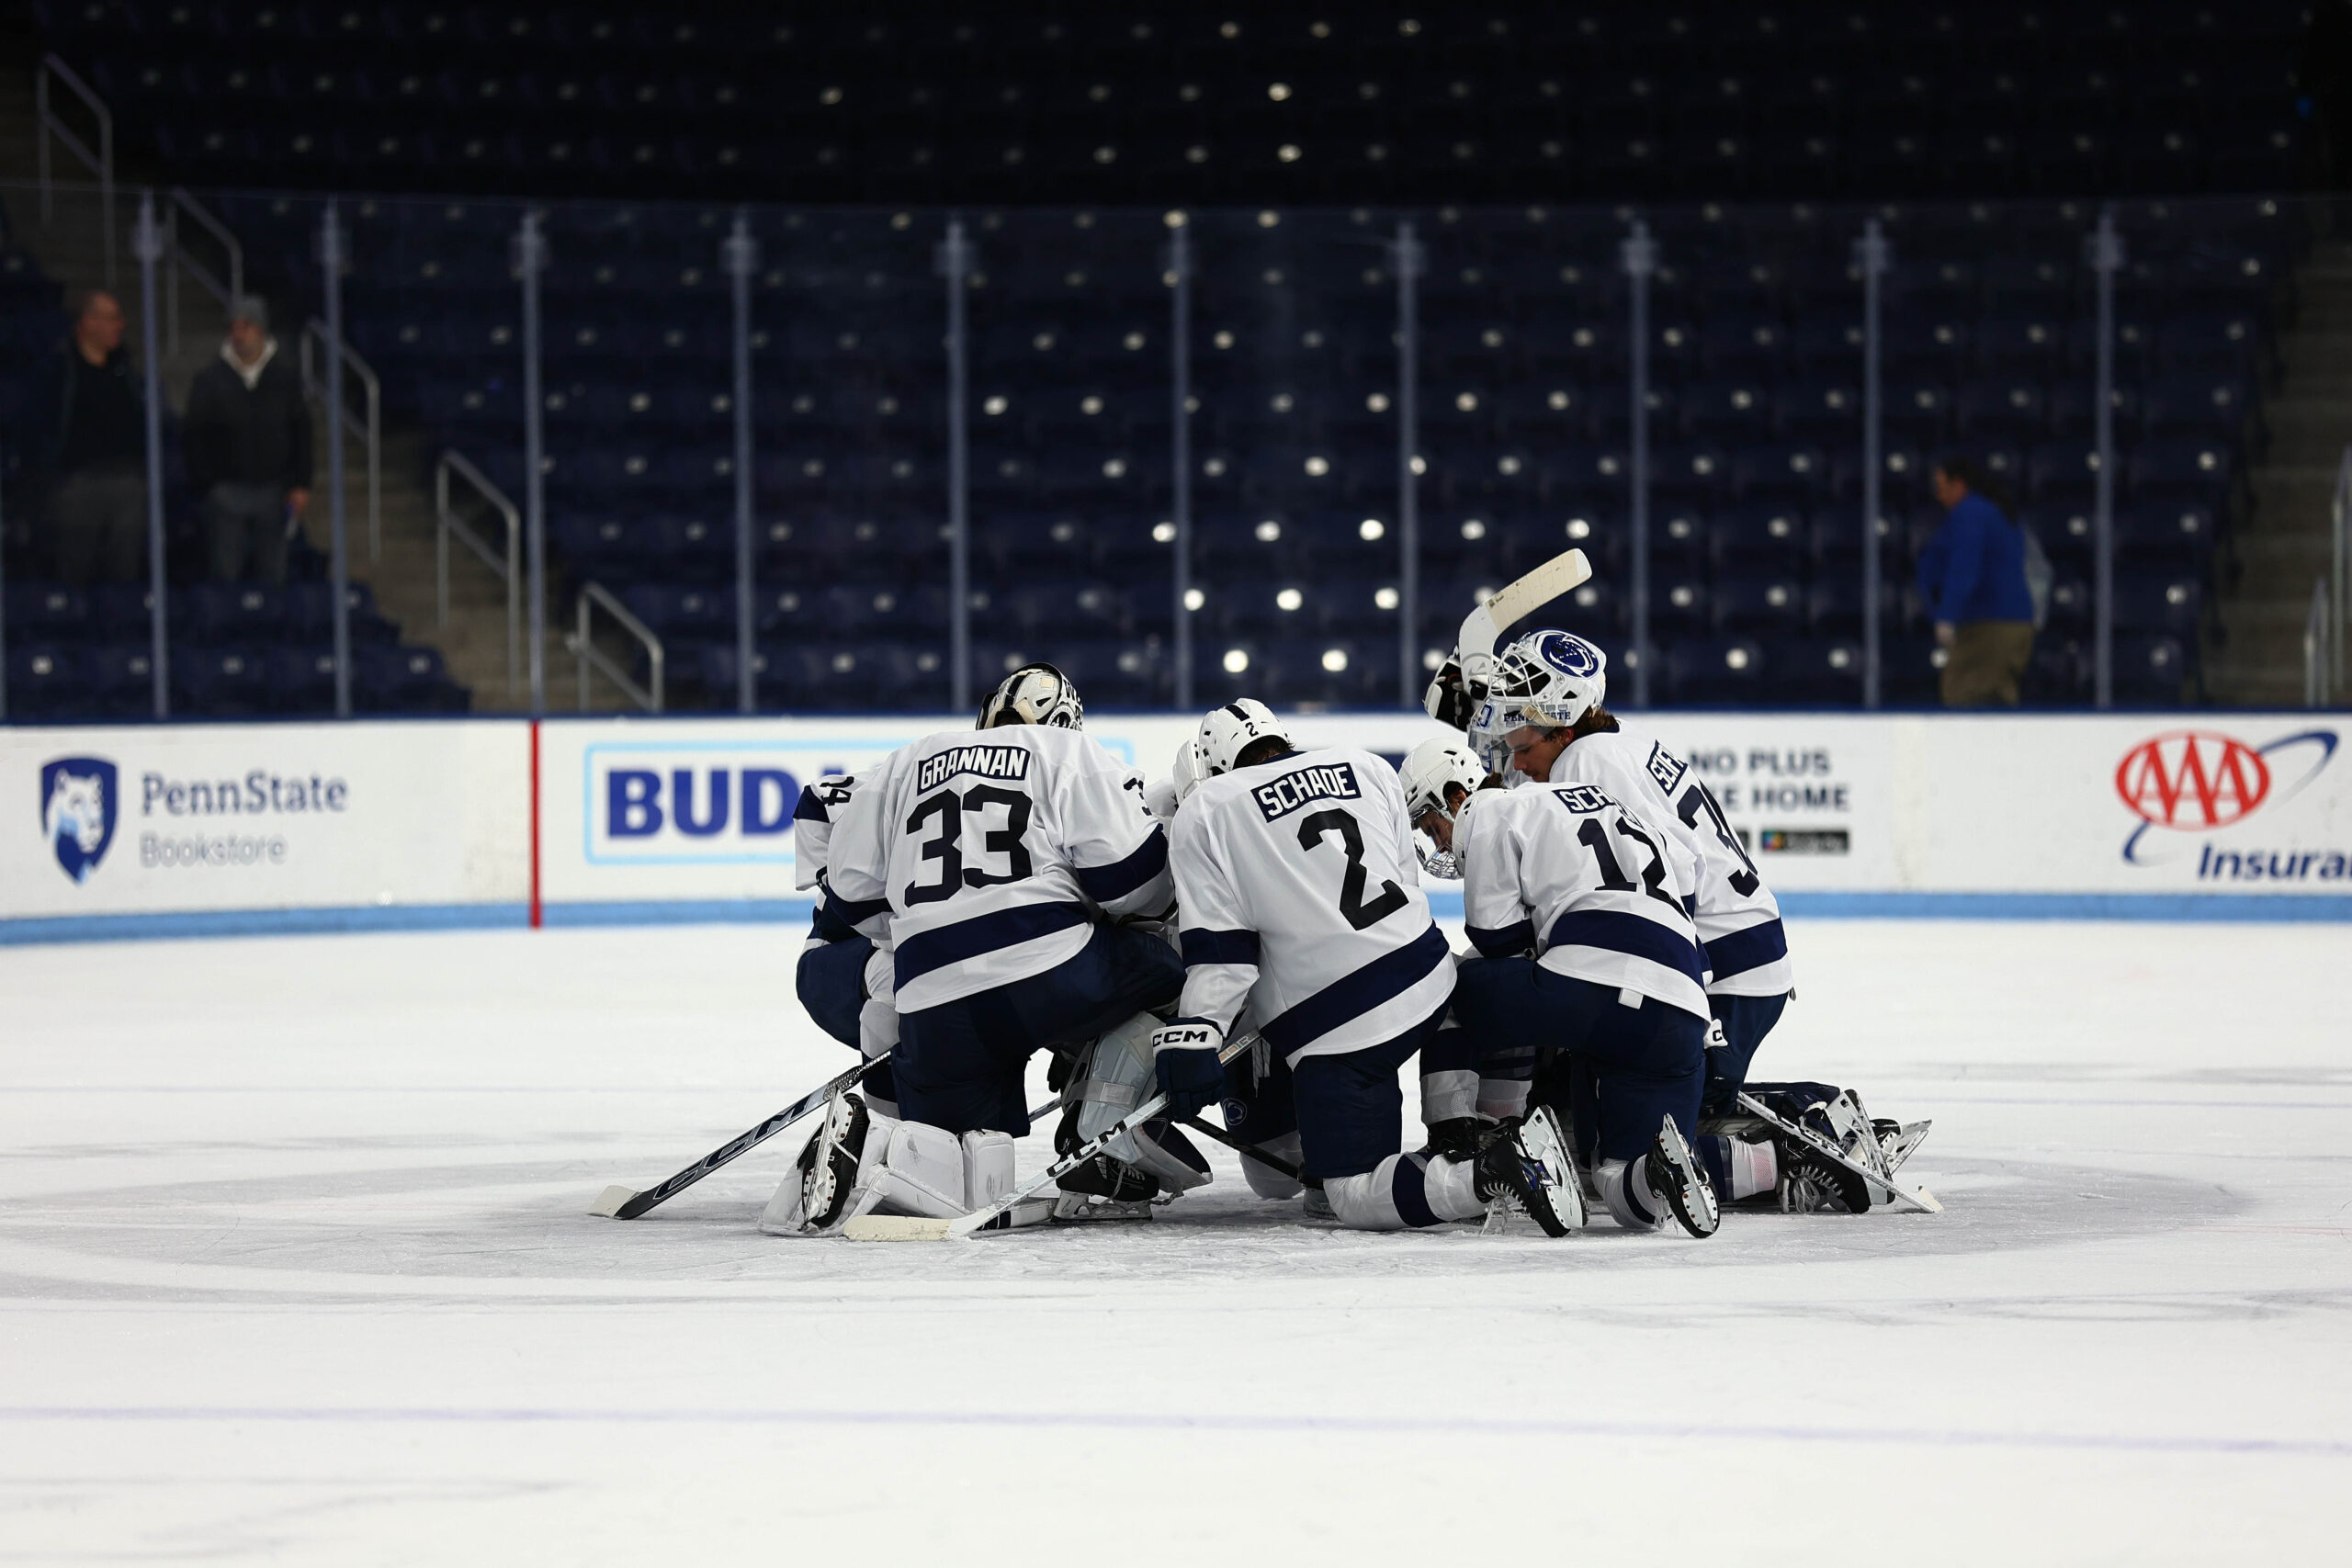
<point>141,830</point>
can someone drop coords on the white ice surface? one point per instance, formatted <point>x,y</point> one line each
<point>295,1266</point>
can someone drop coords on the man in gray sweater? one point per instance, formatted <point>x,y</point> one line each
<point>247,437</point>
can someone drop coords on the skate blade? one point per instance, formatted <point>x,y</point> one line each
<point>608,1202</point>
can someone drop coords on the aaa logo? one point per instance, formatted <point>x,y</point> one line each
<point>2193,779</point>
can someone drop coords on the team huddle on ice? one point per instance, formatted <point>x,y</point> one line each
<point>1250,934</point>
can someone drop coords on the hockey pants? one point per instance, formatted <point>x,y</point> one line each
<point>1746,1021</point>
<point>1645,1062</point>
<point>959,1064</point>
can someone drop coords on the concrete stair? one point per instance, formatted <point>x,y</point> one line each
<point>2285,545</point>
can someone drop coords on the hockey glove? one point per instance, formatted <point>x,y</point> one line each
<point>1451,699</point>
<point>1184,1058</point>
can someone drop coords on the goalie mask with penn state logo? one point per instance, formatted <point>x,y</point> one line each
<point>1546,680</point>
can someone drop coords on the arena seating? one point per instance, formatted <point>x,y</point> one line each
<point>1524,423</point>
<point>1280,104</point>
<point>236,649</point>
<point>1748,135</point>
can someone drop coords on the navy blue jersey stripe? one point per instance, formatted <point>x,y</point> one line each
<point>855,912</point>
<point>1351,996</point>
<point>1751,949</point>
<point>1220,947</point>
<point>1631,934</point>
<point>1504,942</point>
<point>810,808</point>
<point>827,925</point>
<point>1107,883</point>
<point>944,945</point>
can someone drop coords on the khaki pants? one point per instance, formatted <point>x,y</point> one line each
<point>1985,662</point>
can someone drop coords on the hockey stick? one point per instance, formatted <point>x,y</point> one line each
<point>996,1215</point>
<point>1218,1134</point>
<point>618,1202</point>
<point>1483,627</point>
<point>1920,1202</point>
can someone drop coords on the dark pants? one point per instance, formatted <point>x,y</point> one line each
<point>244,527</point>
<point>1644,1064</point>
<point>1746,1021</point>
<point>959,1064</point>
<point>100,518</point>
<point>1351,1113</point>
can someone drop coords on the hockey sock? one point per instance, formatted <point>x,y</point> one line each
<point>1449,1077</point>
<point>1625,1188</point>
<point>1739,1169</point>
<point>1405,1191</point>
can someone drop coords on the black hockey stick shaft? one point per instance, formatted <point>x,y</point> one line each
<point>743,1142</point>
<point>1271,1161</point>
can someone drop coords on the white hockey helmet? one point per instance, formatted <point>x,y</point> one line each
<point>1430,767</point>
<point>1035,693</point>
<point>1547,679</point>
<point>1232,729</point>
<point>1186,776</point>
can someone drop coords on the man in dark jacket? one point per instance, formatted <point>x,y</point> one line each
<point>1972,576</point>
<point>248,442</point>
<point>96,454</point>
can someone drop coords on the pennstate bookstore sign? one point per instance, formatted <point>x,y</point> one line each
<point>157,820</point>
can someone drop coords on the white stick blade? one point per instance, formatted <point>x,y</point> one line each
<point>895,1227</point>
<point>1927,1200</point>
<point>609,1201</point>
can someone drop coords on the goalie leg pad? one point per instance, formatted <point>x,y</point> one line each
<point>988,1167</point>
<point>1118,1077</point>
<point>922,1173</point>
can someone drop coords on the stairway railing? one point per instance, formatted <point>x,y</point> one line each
<point>366,425</point>
<point>507,568</point>
<point>226,286</point>
<point>590,657</point>
<point>99,161</point>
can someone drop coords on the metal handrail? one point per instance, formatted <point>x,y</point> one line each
<point>100,163</point>
<point>583,648</point>
<point>2320,649</point>
<point>178,257</point>
<point>509,570</point>
<point>367,425</point>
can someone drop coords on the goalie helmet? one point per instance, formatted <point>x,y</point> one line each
<point>1232,729</point>
<point>1428,768</point>
<point>1546,680</point>
<point>1035,693</point>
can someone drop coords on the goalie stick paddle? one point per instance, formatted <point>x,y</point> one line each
<point>1483,627</point>
<point>996,1215</point>
<point>618,1202</point>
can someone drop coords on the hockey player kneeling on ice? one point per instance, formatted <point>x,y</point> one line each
<point>1301,897</point>
<point>843,980</point>
<point>995,867</point>
<point>1750,979</point>
<point>1588,948</point>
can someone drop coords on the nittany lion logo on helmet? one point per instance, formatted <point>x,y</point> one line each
<point>1569,653</point>
<point>78,811</point>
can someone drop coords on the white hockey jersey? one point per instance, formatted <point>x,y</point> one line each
<point>982,857</point>
<point>813,833</point>
<point>1299,892</point>
<point>1739,919</point>
<point>1599,896</point>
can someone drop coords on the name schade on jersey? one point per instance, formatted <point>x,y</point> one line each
<point>988,762</point>
<point>1324,780</point>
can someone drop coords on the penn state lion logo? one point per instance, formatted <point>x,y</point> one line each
<point>1569,654</point>
<point>77,812</point>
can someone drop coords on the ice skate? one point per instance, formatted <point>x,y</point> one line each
<point>1528,1169</point>
<point>829,1163</point>
<point>1104,1189</point>
<point>1675,1174</point>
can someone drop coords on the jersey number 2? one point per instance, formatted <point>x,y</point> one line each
<point>949,848</point>
<point>1352,908</point>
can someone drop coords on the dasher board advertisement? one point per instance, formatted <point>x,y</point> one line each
<point>132,829</point>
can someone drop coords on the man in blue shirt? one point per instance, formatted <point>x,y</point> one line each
<point>1972,576</point>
